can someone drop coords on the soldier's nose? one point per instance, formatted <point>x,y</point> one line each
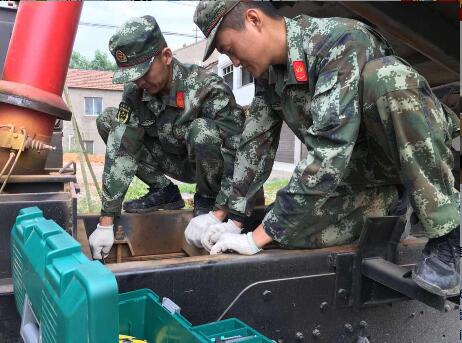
<point>235,61</point>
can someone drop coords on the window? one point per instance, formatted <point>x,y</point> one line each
<point>88,146</point>
<point>246,77</point>
<point>228,75</point>
<point>93,106</point>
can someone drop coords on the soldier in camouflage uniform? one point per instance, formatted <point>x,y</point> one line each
<point>174,120</point>
<point>371,125</point>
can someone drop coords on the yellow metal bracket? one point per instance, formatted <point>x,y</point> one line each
<point>11,140</point>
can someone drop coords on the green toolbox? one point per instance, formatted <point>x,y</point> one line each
<point>63,297</point>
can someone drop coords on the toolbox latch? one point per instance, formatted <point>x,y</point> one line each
<point>170,306</point>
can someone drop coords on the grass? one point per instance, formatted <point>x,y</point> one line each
<point>272,187</point>
<point>138,188</point>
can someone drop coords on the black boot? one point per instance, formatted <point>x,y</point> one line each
<point>202,205</point>
<point>438,270</point>
<point>168,198</point>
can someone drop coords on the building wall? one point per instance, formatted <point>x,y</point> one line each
<point>87,123</point>
<point>285,152</point>
<point>243,94</point>
<point>194,53</point>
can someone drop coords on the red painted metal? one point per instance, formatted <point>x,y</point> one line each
<point>37,60</point>
<point>41,44</point>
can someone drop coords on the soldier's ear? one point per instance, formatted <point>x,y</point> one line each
<point>253,17</point>
<point>166,56</point>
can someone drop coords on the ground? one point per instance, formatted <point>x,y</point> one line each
<point>277,180</point>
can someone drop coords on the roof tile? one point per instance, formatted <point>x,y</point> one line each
<point>92,79</point>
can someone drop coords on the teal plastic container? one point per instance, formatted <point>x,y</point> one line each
<point>228,328</point>
<point>75,300</point>
<point>142,315</point>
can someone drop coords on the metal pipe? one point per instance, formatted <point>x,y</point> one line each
<point>35,71</point>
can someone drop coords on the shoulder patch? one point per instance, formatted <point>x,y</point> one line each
<point>180,99</point>
<point>299,71</point>
<point>123,114</point>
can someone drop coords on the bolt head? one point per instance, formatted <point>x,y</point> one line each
<point>267,295</point>
<point>343,293</point>
<point>363,324</point>
<point>324,306</point>
<point>348,327</point>
<point>299,336</point>
<point>316,333</point>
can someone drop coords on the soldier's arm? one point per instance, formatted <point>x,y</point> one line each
<point>330,140</point>
<point>221,107</point>
<point>122,154</point>
<point>255,156</point>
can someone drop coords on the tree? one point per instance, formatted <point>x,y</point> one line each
<point>78,61</point>
<point>100,61</point>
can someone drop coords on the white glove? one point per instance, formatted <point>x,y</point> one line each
<point>101,241</point>
<point>197,227</point>
<point>214,232</point>
<point>240,243</point>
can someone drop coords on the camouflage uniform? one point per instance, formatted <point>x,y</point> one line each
<point>370,123</point>
<point>190,134</point>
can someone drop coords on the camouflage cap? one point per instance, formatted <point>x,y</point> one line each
<point>133,46</point>
<point>208,17</point>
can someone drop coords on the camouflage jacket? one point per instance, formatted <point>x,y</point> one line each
<point>317,95</point>
<point>195,93</point>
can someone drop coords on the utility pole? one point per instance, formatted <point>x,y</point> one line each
<point>196,29</point>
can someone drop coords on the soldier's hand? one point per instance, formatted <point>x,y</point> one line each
<point>241,243</point>
<point>197,227</point>
<point>214,232</point>
<point>101,241</point>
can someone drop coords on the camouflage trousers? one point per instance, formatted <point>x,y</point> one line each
<point>199,162</point>
<point>408,128</point>
<point>405,142</point>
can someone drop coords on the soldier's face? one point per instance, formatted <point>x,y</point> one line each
<point>156,80</point>
<point>245,48</point>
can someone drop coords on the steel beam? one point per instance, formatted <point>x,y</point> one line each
<point>398,278</point>
<point>424,34</point>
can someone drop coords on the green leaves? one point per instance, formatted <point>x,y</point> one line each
<point>100,61</point>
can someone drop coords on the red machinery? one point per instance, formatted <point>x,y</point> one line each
<point>33,79</point>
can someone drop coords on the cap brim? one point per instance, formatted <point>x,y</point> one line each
<point>129,74</point>
<point>210,45</point>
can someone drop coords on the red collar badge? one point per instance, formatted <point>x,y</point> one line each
<point>180,99</point>
<point>300,71</point>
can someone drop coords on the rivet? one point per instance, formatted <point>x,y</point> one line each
<point>348,328</point>
<point>299,336</point>
<point>324,306</point>
<point>343,292</point>
<point>363,324</point>
<point>267,295</point>
<point>316,333</point>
